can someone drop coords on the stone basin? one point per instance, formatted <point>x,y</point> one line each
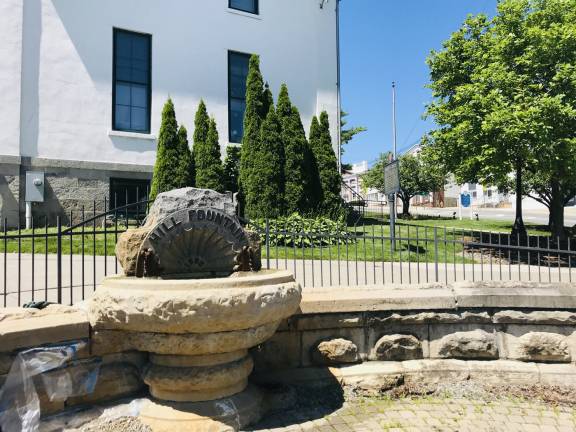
<point>198,331</point>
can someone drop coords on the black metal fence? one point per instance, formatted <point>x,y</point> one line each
<point>65,264</point>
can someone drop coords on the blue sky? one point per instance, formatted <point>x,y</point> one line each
<point>388,40</point>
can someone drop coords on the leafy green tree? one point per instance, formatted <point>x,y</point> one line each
<point>201,126</point>
<point>249,183</point>
<point>295,146</point>
<point>185,163</point>
<point>231,169</point>
<point>209,172</point>
<point>505,100</point>
<point>330,179</point>
<point>418,175</point>
<point>167,156</point>
<point>346,135</point>
<point>269,169</point>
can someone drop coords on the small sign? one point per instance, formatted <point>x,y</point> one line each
<point>392,178</point>
<point>465,200</point>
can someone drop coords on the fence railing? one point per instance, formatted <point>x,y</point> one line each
<point>367,255</point>
<point>65,263</point>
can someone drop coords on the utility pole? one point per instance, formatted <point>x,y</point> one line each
<point>392,197</point>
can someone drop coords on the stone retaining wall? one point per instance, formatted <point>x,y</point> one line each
<point>378,336</point>
<point>524,322</point>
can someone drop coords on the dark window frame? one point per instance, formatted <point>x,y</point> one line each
<point>116,31</point>
<point>129,184</point>
<point>230,54</point>
<point>255,12</point>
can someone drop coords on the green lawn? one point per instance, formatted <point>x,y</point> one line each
<point>372,242</point>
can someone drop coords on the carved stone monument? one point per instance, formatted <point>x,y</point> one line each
<point>188,300</point>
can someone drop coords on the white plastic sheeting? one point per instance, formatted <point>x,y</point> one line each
<point>19,401</point>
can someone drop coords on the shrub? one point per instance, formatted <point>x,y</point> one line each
<point>298,231</point>
<point>231,169</point>
<point>167,157</point>
<point>208,161</point>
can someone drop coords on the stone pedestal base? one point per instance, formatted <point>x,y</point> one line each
<point>198,378</point>
<point>222,415</point>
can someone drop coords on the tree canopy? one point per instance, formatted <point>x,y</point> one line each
<point>505,99</point>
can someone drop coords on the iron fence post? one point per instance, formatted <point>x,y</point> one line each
<point>267,243</point>
<point>59,258</point>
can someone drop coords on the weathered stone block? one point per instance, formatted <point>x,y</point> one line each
<point>114,382</point>
<point>557,374</point>
<point>398,347</point>
<point>476,344</point>
<point>115,341</point>
<point>194,305</point>
<point>328,321</point>
<point>431,318</point>
<point>311,339</point>
<point>128,248</point>
<point>536,317</point>
<point>281,351</point>
<point>503,372</point>
<point>170,202</point>
<point>334,352</point>
<point>541,346</point>
<point>518,345</point>
<point>418,372</point>
<point>42,330</point>
<point>419,331</point>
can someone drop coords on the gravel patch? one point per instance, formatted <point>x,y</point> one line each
<point>122,424</point>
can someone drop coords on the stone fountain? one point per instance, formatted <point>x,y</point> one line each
<point>193,296</point>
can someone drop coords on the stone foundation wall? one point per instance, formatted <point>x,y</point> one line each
<point>523,322</point>
<point>69,186</point>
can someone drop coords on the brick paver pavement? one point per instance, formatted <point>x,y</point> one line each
<point>428,414</point>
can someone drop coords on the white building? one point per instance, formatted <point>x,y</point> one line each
<point>83,83</point>
<point>353,190</point>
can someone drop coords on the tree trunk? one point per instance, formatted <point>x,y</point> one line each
<point>405,206</point>
<point>519,229</point>
<point>557,212</point>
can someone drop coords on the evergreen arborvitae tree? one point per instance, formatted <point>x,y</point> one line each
<point>185,166</point>
<point>167,157</point>
<point>249,185</point>
<point>201,126</point>
<point>231,169</point>
<point>208,161</point>
<point>312,179</point>
<point>269,169</point>
<point>267,101</point>
<point>294,142</point>
<point>330,179</point>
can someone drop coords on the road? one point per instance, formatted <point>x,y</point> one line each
<point>539,217</point>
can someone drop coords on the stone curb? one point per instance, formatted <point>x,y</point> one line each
<point>501,295</point>
<point>377,375</point>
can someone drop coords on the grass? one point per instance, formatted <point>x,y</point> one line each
<point>45,241</point>
<point>372,242</point>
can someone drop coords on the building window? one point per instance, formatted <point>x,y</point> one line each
<point>129,191</point>
<point>132,75</point>
<point>237,74</point>
<point>250,6</point>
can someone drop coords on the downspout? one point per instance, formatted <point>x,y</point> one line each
<point>338,97</point>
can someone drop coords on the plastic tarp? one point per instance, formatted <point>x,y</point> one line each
<point>61,377</point>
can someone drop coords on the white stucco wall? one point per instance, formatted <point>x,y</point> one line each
<point>67,91</point>
<point>10,75</point>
